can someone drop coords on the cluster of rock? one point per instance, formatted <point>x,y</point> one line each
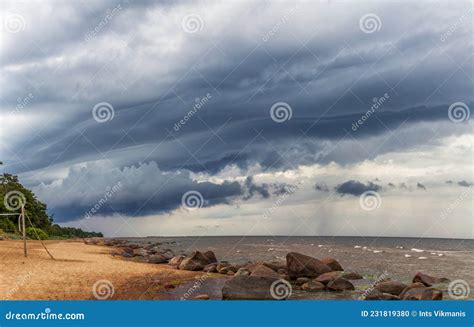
<point>263,280</point>
<point>150,253</point>
<point>420,289</point>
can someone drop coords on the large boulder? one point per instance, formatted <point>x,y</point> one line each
<point>167,253</point>
<point>391,287</point>
<point>328,277</point>
<point>332,263</point>
<point>211,257</point>
<point>300,265</point>
<point>264,271</point>
<point>248,288</point>
<point>427,279</point>
<point>409,287</point>
<point>197,261</point>
<point>423,293</point>
<point>340,284</point>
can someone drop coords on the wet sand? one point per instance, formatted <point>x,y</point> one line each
<point>75,271</point>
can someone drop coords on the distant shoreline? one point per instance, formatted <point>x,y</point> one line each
<point>270,236</point>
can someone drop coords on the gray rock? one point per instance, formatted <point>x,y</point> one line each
<point>391,287</point>
<point>377,295</point>
<point>157,258</point>
<point>428,280</point>
<point>248,288</point>
<point>328,277</point>
<point>409,287</point>
<point>300,265</point>
<point>197,261</point>
<point>264,271</point>
<point>332,263</point>
<point>423,293</point>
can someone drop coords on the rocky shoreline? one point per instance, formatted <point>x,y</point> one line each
<point>277,279</point>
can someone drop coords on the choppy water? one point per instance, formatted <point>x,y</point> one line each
<point>456,260</point>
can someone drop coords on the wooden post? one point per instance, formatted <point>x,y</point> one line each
<point>24,230</point>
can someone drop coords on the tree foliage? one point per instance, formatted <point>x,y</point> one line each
<point>36,210</point>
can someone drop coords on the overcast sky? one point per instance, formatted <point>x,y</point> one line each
<point>139,118</point>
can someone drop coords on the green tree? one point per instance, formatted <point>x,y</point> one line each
<point>13,194</point>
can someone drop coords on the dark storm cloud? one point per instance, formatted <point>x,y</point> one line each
<point>464,183</point>
<point>321,186</point>
<point>421,186</point>
<point>137,191</point>
<point>356,188</point>
<point>152,71</point>
<point>253,189</point>
<point>237,141</point>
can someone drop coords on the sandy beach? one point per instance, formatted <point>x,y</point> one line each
<point>75,271</point>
